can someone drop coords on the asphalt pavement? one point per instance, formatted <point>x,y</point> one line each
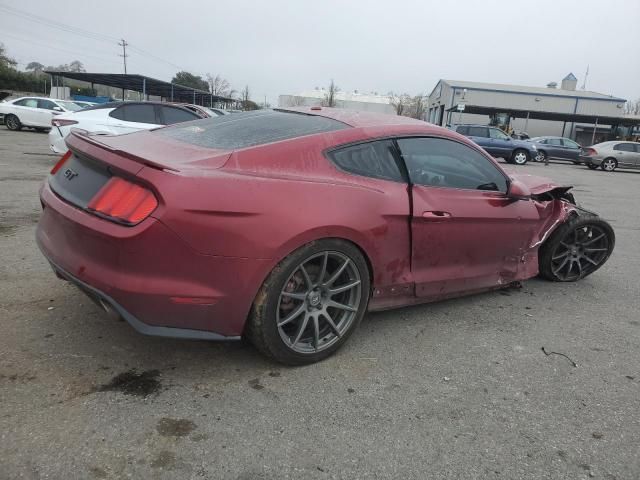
<point>455,390</point>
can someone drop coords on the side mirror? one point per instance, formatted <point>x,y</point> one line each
<point>518,191</point>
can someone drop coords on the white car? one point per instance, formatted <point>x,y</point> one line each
<point>34,112</point>
<point>117,118</point>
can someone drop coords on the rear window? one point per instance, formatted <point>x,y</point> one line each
<point>248,129</point>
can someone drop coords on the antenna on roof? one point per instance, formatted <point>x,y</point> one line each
<point>584,83</point>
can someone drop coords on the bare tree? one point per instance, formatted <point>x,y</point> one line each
<point>400,102</point>
<point>245,94</point>
<point>35,67</point>
<point>418,107</point>
<point>330,95</point>
<point>218,86</point>
<point>632,107</point>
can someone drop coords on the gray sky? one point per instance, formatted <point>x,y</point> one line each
<point>280,46</point>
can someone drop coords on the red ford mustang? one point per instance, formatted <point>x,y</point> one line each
<point>286,226</point>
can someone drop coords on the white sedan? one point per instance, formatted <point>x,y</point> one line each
<point>116,118</point>
<point>34,112</point>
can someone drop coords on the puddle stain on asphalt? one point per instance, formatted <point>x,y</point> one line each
<point>133,383</point>
<point>171,427</point>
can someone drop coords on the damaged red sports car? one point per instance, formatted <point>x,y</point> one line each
<point>286,226</point>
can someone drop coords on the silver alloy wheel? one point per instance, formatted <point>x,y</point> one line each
<point>319,302</point>
<point>520,158</point>
<point>540,157</point>
<point>609,165</point>
<point>12,122</point>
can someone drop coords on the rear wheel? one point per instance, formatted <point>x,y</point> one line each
<point>609,164</point>
<point>12,122</point>
<point>576,249</point>
<point>311,303</point>
<point>540,156</point>
<point>520,157</point>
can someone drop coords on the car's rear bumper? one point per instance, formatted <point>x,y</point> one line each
<point>148,274</point>
<point>590,160</point>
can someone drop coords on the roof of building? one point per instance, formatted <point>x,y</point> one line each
<point>557,92</point>
<point>571,76</point>
<point>141,83</point>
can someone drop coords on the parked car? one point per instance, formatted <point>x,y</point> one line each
<point>557,148</point>
<point>34,112</point>
<point>84,104</point>
<point>117,118</point>
<point>287,226</point>
<point>611,155</point>
<point>498,143</point>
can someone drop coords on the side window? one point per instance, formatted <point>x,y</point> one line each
<point>46,104</point>
<point>554,141</point>
<point>478,132</point>
<point>177,115</point>
<point>624,147</point>
<point>135,113</point>
<point>372,159</point>
<point>570,143</point>
<point>463,130</point>
<point>498,134</point>
<point>27,102</point>
<point>444,163</point>
<point>543,141</point>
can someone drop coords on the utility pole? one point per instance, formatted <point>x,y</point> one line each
<point>124,55</point>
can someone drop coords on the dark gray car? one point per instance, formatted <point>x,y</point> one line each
<point>557,148</point>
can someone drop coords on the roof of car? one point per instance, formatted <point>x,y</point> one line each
<point>355,118</point>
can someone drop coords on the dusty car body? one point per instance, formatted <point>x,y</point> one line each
<point>286,226</point>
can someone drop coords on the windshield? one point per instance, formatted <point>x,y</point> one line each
<point>72,107</point>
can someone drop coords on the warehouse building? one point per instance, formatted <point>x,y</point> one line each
<point>582,115</point>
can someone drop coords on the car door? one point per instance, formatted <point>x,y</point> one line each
<point>480,135</point>
<point>636,162</point>
<point>625,154</point>
<point>501,143</point>
<point>466,234</point>
<point>555,148</point>
<point>133,117</point>
<point>26,109</point>
<point>46,111</point>
<point>571,150</point>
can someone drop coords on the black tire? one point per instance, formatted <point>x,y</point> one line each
<point>520,156</point>
<point>541,156</point>
<point>570,243</point>
<point>12,122</point>
<point>262,328</point>
<point>609,164</point>
<point>592,166</point>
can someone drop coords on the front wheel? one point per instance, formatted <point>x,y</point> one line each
<point>520,157</point>
<point>576,249</point>
<point>12,122</point>
<point>609,164</point>
<point>311,303</point>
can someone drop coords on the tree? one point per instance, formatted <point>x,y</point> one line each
<point>218,86</point>
<point>418,107</point>
<point>5,60</point>
<point>35,67</point>
<point>400,102</point>
<point>187,79</point>
<point>632,107</point>
<point>330,95</point>
<point>76,66</point>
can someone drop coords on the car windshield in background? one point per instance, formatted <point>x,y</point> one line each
<point>242,130</point>
<point>72,107</point>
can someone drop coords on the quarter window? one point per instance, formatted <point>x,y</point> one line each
<point>444,163</point>
<point>46,104</point>
<point>570,143</point>
<point>372,159</point>
<point>478,132</point>
<point>554,141</point>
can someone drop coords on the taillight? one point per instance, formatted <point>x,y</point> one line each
<point>61,162</point>
<point>589,152</point>
<point>61,122</point>
<point>123,201</point>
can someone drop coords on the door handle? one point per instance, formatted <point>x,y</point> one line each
<point>436,216</point>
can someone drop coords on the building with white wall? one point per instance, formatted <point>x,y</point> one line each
<point>366,102</point>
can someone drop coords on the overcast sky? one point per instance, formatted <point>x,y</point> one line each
<point>279,46</point>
